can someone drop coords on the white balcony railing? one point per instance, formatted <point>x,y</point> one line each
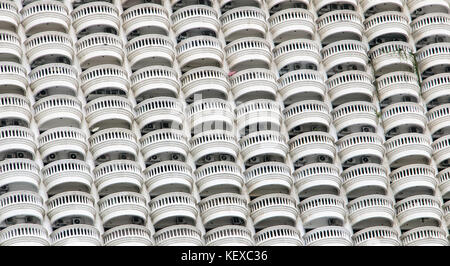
<point>350,85</point>
<point>195,16</point>
<point>397,83</point>
<point>95,13</point>
<point>108,109</point>
<point>179,235</point>
<point>103,77</point>
<point>247,50</point>
<point>253,81</point>
<point>376,236</point>
<point>292,23</point>
<point>163,140</point>
<point>441,152</point>
<point>276,207</point>
<point>58,110</point>
<point>10,45</point>
<point>158,109</point>
<point>13,75</point>
<point>69,204</point>
<point>387,22</point>
<point>311,143</point>
<point>48,43</point>
<point>175,204</point>
<point>435,87</point>
<point>203,80</point>
<point>366,178</point>
<point>213,141</point>
<point>353,114</point>
<point>412,145</point>
<point>315,211</point>
<point>55,75</point>
<point>66,175</point>
<point>220,177</point>
<point>76,235</point>
<point>44,16</point>
<point>15,106</point>
<point>9,15</point>
<point>17,138</point>
<point>306,112</point>
<point>360,144</point>
<point>156,80</point>
<point>296,51</point>
<point>339,22</point>
<point>21,171</point>
<point>243,22</point>
<point>430,25</point>
<point>281,235</point>
<point>391,56</point>
<point>443,179</point>
<point>150,49</point>
<point>62,139</point>
<point>168,176</point>
<point>24,235</point>
<point>433,55</point>
<point>328,236</point>
<point>208,112</point>
<point>403,113</point>
<point>267,177</point>
<point>145,15</point>
<point>344,52</point>
<point>418,207</point>
<point>21,203</point>
<point>118,175</point>
<point>425,236</point>
<point>229,235</point>
<point>113,140</point>
<point>223,206</point>
<point>308,82</point>
<point>200,51</point>
<point>263,143</point>
<point>378,208</point>
<point>317,176</point>
<point>99,48</point>
<point>128,235</point>
<point>438,118</point>
<point>122,204</point>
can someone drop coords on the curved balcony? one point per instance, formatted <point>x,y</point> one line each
<point>273,209</point>
<point>391,56</point>
<point>199,51</point>
<point>317,178</point>
<point>76,235</point>
<point>24,235</point>
<point>392,87</point>
<point>13,78</point>
<point>104,77</point>
<point>193,17</point>
<point>117,207</point>
<point>22,172</point>
<point>328,236</point>
<point>243,22</point>
<point>107,141</point>
<point>319,4</point>
<point>340,25</point>
<point>128,235</point>
<point>17,138</point>
<point>229,235</point>
<point>154,81</point>
<point>251,82</point>
<point>430,25</point>
<point>9,15</point>
<point>62,139</point>
<point>48,44</point>
<point>168,176</point>
<point>365,179</point>
<point>355,116</point>
<point>309,112</point>
<point>276,3</point>
<point>267,142</point>
<point>159,109</point>
<point>438,119</point>
<point>164,140</point>
<point>116,111</point>
<point>281,235</point>
<point>360,144</point>
<point>420,7</point>
<point>249,52</point>
<point>398,115</point>
<point>171,205</point>
<point>320,210</point>
<point>441,152</point>
<point>45,16</point>
<point>425,236</point>
<point>57,111</point>
<point>268,177</point>
<point>344,52</point>
<point>435,88</point>
<point>301,84</point>
<point>147,15</point>
<point>66,175</point>
<point>291,24</point>
<point>446,209</point>
<point>99,48</point>
<point>443,178</point>
<point>21,203</point>
<point>371,210</point>
<point>384,24</point>
<point>217,210</point>
<point>211,142</point>
<point>369,6</point>
<point>71,204</point>
<point>311,143</point>
<point>179,235</point>
<point>150,49</point>
<point>408,148</point>
<point>297,51</point>
<point>433,55</point>
<point>219,177</point>
<point>210,113</point>
<point>212,82</point>
<point>376,236</point>
<point>54,78</point>
<point>417,208</point>
<point>14,107</point>
<point>10,46</point>
<point>261,111</point>
<point>94,14</point>
<point>116,176</point>
<point>349,86</point>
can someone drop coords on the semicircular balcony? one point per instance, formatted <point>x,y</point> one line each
<point>154,81</point>
<point>213,142</point>
<point>433,59</point>
<point>223,209</point>
<point>10,46</point>
<point>179,235</point>
<point>71,204</point>
<point>301,85</point>
<point>403,117</point>
<point>219,177</point>
<point>57,111</point>
<point>194,17</point>
<point>371,210</point>
<point>291,24</point>
<point>123,208</point>
<point>441,151</point>
<point>429,27</point>
<point>128,235</point>
<point>412,180</point>
<point>226,5</point>
<point>146,18</point>
<point>99,48</point>
<point>207,82</point>
<point>168,176</point>
<point>437,120</point>
<point>22,173</point>
<point>24,234</point>
<point>435,89</point>
<point>328,236</point>
<point>376,236</point>
<point>9,15</point>
<point>408,148</point>
<point>446,209</point>
<point>15,107</point>
<point>397,86</point>
<point>277,5</point>
<point>261,143</point>
<point>304,115</point>
<point>425,236</point>
<point>170,208</point>
<point>76,235</point>
<point>104,77</point>
<point>317,178</point>
<point>112,143</point>
<point>17,142</point>
<point>242,22</point>
<point>340,25</point>
<point>262,112</point>
<point>109,111</point>
<point>323,6</point>
<point>367,146</point>
<point>352,85</point>
<point>354,117</point>
<point>391,56</point>
<point>370,7</point>
<point>95,14</point>
<point>249,52</point>
<point>210,113</point>
<point>320,144</point>
<point>199,51</point>
<point>13,78</point>
<point>365,179</point>
<point>297,54</point>
<point>161,141</point>
<point>159,109</point>
<point>268,178</point>
<point>279,235</point>
<point>253,83</point>
<point>421,7</point>
<point>66,175</point>
<point>385,25</point>
<point>49,47</point>
<point>62,143</point>
<point>149,50</point>
<point>443,179</point>
<point>54,78</point>
<point>229,235</point>
<point>21,203</point>
<point>344,55</point>
<point>273,209</point>
<point>45,16</point>
<point>322,210</point>
<point>419,210</point>
<point>117,176</point>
